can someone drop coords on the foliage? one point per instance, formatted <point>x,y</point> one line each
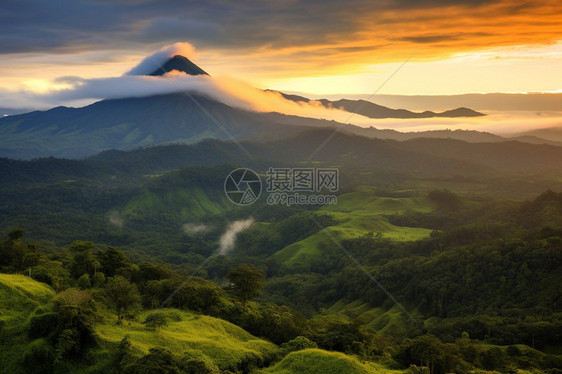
<point>76,317</point>
<point>482,289</point>
<point>84,282</point>
<point>298,343</point>
<point>123,296</point>
<point>198,364</point>
<point>156,319</point>
<point>316,361</point>
<point>247,281</point>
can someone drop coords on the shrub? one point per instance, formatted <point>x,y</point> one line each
<point>157,361</point>
<point>200,364</point>
<point>298,343</point>
<point>156,319</point>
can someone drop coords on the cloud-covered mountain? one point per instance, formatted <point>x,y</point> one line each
<point>179,64</point>
<point>197,108</point>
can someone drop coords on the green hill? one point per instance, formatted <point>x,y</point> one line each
<point>392,320</point>
<point>227,345</point>
<point>356,213</point>
<point>317,361</point>
<point>20,295</point>
<point>20,298</point>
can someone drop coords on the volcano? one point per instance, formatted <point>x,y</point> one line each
<point>179,63</point>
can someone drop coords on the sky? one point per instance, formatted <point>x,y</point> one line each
<point>321,47</point>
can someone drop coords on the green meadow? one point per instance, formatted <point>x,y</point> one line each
<point>357,214</point>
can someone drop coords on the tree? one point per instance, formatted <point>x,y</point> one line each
<point>112,260</point>
<point>123,295</point>
<point>52,273</point>
<point>16,255</point>
<point>247,281</point>
<point>298,343</point>
<point>83,261</point>
<point>76,317</point>
<point>84,282</point>
<point>198,364</point>
<point>98,279</point>
<point>426,350</point>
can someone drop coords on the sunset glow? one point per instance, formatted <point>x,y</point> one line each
<point>486,46</point>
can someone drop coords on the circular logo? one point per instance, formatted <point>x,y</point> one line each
<point>242,186</point>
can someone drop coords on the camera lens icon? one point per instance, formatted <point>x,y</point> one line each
<point>242,186</point>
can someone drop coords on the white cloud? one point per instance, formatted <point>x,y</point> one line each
<point>228,239</point>
<point>194,228</point>
<point>157,59</point>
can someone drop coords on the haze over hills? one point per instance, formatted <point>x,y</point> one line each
<point>532,101</point>
<point>372,110</point>
<point>176,118</point>
<point>174,184</point>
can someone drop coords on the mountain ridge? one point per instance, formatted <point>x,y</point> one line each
<point>130,123</point>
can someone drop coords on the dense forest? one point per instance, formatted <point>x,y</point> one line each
<point>480,293</point>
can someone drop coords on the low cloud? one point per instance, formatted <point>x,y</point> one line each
<point>194,228</point>
<point>156,60</point>
<point>115,219</point>
<point>76,91</point>
<point>505,123</point>
<point>228,239</point>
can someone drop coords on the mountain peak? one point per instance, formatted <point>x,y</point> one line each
<point>179,63</point>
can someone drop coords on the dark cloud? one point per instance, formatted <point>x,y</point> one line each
<point>305,28</point>
<point>423,39</point>
<point>36,25</point>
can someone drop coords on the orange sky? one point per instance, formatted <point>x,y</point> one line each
<point>483,46</point>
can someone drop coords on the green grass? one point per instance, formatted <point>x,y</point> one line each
<point>20,298</point>
<point>185,203</point>
<point>365,202</point>
<point>20,295</point>
<point>317,361</point>
<point>392,320</point>
<point>227,345</point>
<point>356,213</point>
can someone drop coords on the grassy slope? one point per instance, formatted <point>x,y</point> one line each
<point>20,298</point>
<point>186,203</point>
<point>224,343</point>
<point>392,320</point>
<point>317,361</point>
<point>20,295</point>
<point>357,214</point>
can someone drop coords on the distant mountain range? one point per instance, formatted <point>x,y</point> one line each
<point>372,110</point>
<point>177,118</point>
